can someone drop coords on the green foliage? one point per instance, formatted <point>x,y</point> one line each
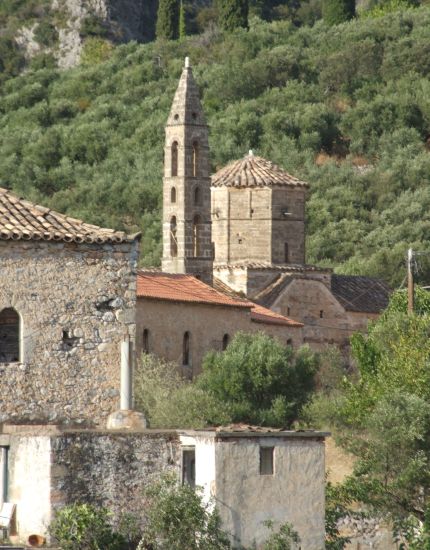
<point>46,33</point>
<point>95,51</point>
<point>259,380</point>
<point>337,506</point>
<point>169,401</point>
<point>85,527</point>
<point>168,19</point>
<point>286,538</point>
<point>348,110</point>
<point>182,21</point>
<point>92,25</point>
<point>232,14</point>
<point>178,518</point>
<point>338,11</point>
<point>399,302</point>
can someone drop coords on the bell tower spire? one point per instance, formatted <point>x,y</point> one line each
<point>187,235</point>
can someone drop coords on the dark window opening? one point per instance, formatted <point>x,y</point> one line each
<point>173,194</point>
<point>321,313</point>
<point>290,342</point>
<point>173,238</point>
<point>9,336</point>
<point>197,196</point>
<point>186,350</point>
<point>189,467</point>
<point>286,253</point>
<point>288,310</point>
<point>266,461</point>
<point>176,117</point>
<point>145,341</point>
<point>174,159</point>
<point>225,341</point>
<point>197,237</point>
<point>195,158</point>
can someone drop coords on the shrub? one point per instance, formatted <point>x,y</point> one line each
<point>168,19</point>
<point>338,11</point>
<point>85,527</point>
<point>232,14</point>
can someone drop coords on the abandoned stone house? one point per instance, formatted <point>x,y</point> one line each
<point>243,231</point>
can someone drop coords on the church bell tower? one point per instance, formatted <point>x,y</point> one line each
<point>187,235</point>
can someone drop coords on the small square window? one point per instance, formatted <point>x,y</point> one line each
<point>266,461</point>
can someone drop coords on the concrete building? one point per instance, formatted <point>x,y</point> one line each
<point>199,318</point>
<point>252,475</point>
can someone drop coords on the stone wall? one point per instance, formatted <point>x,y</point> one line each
<point>50,468</point>
<point>207,324</point>
<point>75,301</point>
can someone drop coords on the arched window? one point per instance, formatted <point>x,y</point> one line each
<point>286,253</point>
<point>186,349</point>
<point>174,159</point>
<point>173,194</point>
<point>195,158</point>
<point>10,332</point>
<point>173,238</point>
<point>145,341</point>
<point>197,238</point>
<point>225,341</point>
<point>197,196</point>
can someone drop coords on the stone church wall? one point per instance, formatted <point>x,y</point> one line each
<point>75,302</point>
<point>168,321</point>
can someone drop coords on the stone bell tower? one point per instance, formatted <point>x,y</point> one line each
<point>187,236</point>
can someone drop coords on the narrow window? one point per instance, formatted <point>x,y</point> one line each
<point>9,336</point>
<point>189,466</point>
<point>186,350</point>
<point>174,159</point>
<point>288,310</point>
<point>225,341</point>
<point>286,253</point>
<point>173,238</point>
<point>197,196</point>
<point>197,238</point>
<point>266,461</point>
<point>321,313</point>
<point>145,341</point>
<point>195,158</point>
<point>173,194</point>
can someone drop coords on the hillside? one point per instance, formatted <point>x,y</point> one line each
<point>346,108</point>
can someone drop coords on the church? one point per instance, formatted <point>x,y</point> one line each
<point>241,231</point>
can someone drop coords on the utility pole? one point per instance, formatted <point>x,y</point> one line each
<point>410,282</point>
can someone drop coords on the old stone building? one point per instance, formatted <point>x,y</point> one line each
<point>67,298</point>
<point>199,318</point>
<point>243,230</point>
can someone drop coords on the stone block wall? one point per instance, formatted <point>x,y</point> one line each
<point>76,302</point>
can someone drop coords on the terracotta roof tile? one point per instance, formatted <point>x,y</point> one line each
<point>252,171</point>
<point>182,288</point>
<point>24,220</point>
<point>186,288</point>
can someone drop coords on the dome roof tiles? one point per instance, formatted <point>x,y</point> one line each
<point>254,171</point>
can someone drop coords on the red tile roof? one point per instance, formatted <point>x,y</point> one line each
<point>182,288</point>
<point>186,288</point>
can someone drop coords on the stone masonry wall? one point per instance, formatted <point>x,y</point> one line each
<point>110,469</point>
<point>76,302</point>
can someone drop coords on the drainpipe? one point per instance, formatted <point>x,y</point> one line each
<point>3,474</point>
<point>126,375</point>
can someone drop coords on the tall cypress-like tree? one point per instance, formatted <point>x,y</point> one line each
<point>233,14</point>
<point>338,11</point>
<point>182,21</point>
<point>168,19</point>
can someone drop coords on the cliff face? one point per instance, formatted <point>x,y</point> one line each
<point>117,20</point>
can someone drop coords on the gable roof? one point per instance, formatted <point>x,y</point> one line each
<point>177,287</point>
<point>24,220</point>
<point>360,294</point>
<point>259,313</point>
<point>252,171</point>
